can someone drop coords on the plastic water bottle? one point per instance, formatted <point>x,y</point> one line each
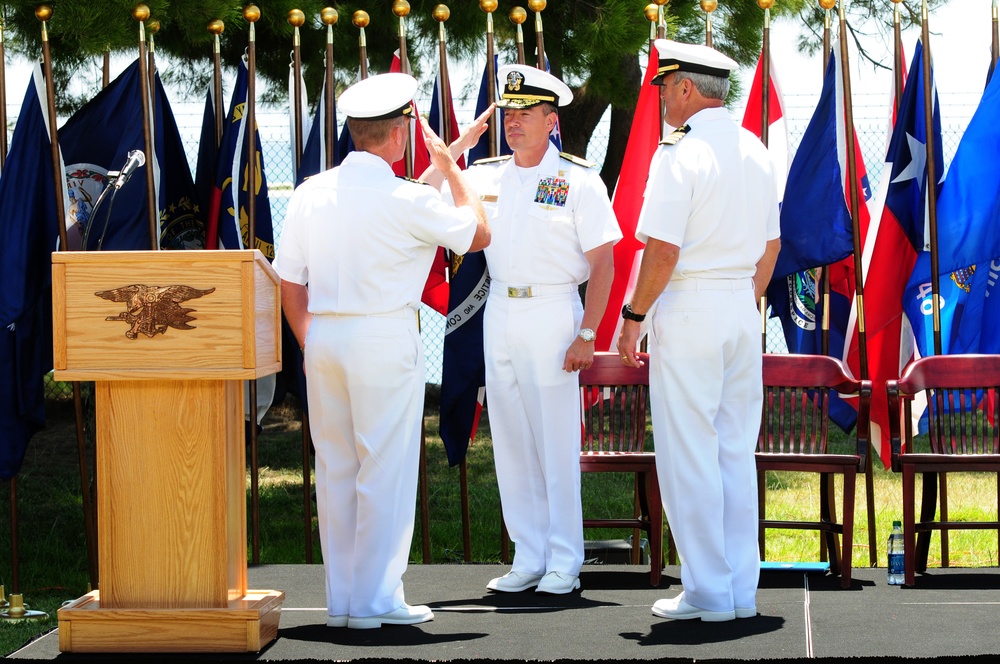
<point>896,561</point>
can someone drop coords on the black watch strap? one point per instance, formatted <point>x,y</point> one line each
<point>628,314</point>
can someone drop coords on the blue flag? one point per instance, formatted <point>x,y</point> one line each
<point>228,224</point>
<point>181,214</point>
<point>968,209</point>
<point>314,151</point>
<point>815,221</point>
<point>95,140</point>
<point>28,236</point>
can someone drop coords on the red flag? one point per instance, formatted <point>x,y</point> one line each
<point>887,261</point>
<point>777,132</point>
<point>642,143</point>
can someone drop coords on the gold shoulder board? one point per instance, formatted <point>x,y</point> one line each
<point>413,180</point>
<point>577,160</point>
<point>676,135</point>
<point>492,160</point>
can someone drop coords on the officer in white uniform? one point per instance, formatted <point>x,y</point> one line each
<point>710,224</point>
<point>356,249</point>
<point>553,229</point>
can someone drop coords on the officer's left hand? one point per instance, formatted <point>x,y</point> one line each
<point>580,355</point>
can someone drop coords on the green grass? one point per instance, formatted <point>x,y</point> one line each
<point>53,561</point>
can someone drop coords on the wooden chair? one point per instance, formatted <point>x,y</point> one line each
<point>962,393</point>
<point>794,437</point>
<point>615,406</point>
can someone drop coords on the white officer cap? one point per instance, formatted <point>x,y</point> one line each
<point>381,97</point>
<point>694,58</point>
<point>524,86</point>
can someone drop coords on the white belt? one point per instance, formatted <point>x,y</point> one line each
<point>405,312</point>
<point>537,290</point>
<point>709,284</point>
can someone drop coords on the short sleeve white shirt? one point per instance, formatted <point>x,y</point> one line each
<point>714,195</point>
<point>364,240</point>
<point>541,228</point>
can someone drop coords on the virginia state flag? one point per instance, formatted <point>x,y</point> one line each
<point>643,139</point>
<point>888,259</point>
<point>817,231</point>
<point>816,227</point>
<point>95,140</point>
<point>28,236</point>
<point>228,223</point>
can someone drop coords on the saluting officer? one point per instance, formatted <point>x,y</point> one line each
<point>710,224</point>
<point>356,248</point>
<point>553,229</point>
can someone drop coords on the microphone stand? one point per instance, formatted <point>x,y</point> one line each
<point>112,178</point>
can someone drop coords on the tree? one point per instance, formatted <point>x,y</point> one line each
<point>594,45</point>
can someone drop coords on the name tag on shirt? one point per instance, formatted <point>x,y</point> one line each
<point>489,198</point>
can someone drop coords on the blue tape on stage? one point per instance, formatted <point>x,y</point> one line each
<point>794,567</point>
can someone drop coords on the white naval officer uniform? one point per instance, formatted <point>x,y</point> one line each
<point>543,219</point>
<point>364,240</point>
<point>713,195</point>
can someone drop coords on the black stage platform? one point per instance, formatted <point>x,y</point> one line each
<point>952,615</point>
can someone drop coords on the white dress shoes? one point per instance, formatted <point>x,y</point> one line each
<point>514,582</point>
<point>746,613</point>
<point>678,609</point>
<point>336,621</point>
<point>404,615</point>
<point>557,583</point>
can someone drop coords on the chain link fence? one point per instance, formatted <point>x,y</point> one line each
<point>275,141</point>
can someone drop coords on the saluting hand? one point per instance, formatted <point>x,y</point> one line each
<point>439,153</point>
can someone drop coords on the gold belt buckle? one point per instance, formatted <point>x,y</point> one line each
<point>519,291</point>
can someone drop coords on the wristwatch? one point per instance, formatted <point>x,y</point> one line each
<point>587,334</point>
<point>628,314</point>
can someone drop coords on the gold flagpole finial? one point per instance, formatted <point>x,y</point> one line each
<point>401,8</point>
<point>827,4</point>
<point>44,12</point>
<point>765,4</point>
<point>140,12</point>
<point>518,15</point>
<point>216,26</point>
<point>441,13</point>
<point>709,5</point>
<point>329,16</point>
<point>360,19</point>
<point>251,13</point>
<point>488,6</point>
<point>296,18</point>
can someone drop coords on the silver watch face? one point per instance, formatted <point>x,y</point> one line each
<point>587,334</point>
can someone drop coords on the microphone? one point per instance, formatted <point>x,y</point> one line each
<point>135,159</point>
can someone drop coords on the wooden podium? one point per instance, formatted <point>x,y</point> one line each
<point>168,337</point>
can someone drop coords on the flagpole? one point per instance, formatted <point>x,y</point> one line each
<point>216,27</point>
<point>490,6</point>
<point>360,21</point>
<point>152,27</point>
<point>43,13</point>
<point>852,179</point>
<point>897,57</point>
<point>517,17</point>
<point>824,273</point>
<point>251,13</point>
<point>3,100</point>
<point>401,8</point>
<point>296,18</point>
<point>537,6</point>
<point>661,33</point>
<point>765,116</point>
<point>995,52</point>
<point>931,177</point>
<point>329,17</point>
<point>708,6</point>
<point>140,13</point>
<point>106,67</point>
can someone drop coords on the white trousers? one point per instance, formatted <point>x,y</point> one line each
<point>366,396</point>
<point>534,411</point>
<point>706,395</point>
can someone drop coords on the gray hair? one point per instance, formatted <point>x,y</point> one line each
<point>711,87</point>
